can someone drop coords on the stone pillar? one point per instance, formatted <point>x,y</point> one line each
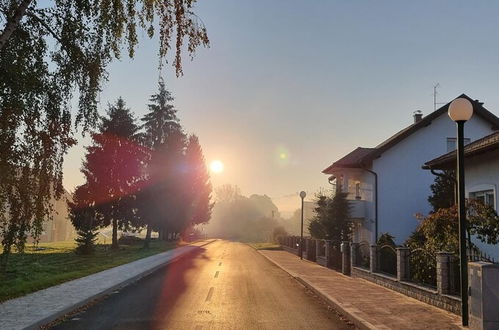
<point>403,263</point>
<point>443,272</point>
<point>328,253</point>
<point>483,295</point>
<point>345,257</point>
<point>373,258</point>
<point>354,247</point>
<point>311,250</point>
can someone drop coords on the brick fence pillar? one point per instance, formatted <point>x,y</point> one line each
<point>345,257</point>
<point>311,250</point>
<point>354,247</point>
<point>327,244</point>
<point>443,272</point>
<point>403,263</point>
<point>373,258</point>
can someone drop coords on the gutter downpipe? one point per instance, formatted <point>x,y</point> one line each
<point>375,203</point>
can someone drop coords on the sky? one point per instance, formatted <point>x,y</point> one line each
<point>288,86</point>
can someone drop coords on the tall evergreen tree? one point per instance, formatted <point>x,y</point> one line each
<point>198,183</point>
<point>160,127</point>
<point>112,169</point>
<point>331,219</point>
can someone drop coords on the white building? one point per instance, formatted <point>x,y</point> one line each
<point>402,186</point>
<point>481,176</point>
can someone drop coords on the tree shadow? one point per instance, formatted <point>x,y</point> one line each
<point>145,304</point>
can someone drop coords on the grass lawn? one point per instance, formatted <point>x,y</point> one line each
<point>265,246</point>
<point>54,263</point>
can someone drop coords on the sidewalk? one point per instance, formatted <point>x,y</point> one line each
<point>41,307</point>
<point>367,305</point>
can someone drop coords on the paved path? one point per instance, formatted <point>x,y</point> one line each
<point>373,306</point>
<point>37,308</point>
<point>225,285</point>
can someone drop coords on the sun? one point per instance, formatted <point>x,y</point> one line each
<point>217,166</point>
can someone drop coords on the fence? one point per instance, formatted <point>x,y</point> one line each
<point>429,277</point>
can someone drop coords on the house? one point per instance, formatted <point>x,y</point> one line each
<point>58,227</point>
<point>481,175</point>
<point>386,185</point>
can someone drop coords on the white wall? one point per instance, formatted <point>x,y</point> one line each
<point>482,173</point>
<point>403,186</point>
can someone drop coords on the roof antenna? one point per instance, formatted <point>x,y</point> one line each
<point>435,103</point>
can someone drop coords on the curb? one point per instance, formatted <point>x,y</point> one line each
<point>61,313</point>
<point>347,312</point>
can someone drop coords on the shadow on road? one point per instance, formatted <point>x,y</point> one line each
<point>142,305</point>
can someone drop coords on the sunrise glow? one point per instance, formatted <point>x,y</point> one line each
<point>217,166</point>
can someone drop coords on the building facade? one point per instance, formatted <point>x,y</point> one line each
<point>386,185</point>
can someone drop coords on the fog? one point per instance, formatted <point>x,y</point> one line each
<point>253,218</point>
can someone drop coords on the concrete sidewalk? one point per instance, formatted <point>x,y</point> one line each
<point>367,305</point>
<point>41,307</point>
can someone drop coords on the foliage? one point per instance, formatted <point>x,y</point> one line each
<point>113,169</point>
<point>175,191</point>
<point>83,217</point>
<point>387,254</point>
<point>331,219</point>
<point>50,54</point>
<point>443,193</point>
<point>386,239</point>
<point>242,218</point>
<point>278,232</point>
<point>440,229</point>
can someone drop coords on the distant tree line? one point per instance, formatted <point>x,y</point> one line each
<point>141,175</point>
<point>249,219</point>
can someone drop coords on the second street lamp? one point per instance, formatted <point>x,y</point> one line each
<point>460,111</point>
<point>302,196</point>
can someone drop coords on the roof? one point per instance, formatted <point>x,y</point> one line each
<point>351,160</point>
<point>481,146</point>
<point>362,157</point>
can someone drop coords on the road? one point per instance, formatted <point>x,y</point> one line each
<point>224,285</point>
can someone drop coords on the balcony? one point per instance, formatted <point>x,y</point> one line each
<point>358,209</point>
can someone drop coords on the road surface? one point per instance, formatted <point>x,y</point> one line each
<point>224,285</point>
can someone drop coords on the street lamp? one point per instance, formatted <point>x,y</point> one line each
<point>460,111</point>
<point>302,195</point>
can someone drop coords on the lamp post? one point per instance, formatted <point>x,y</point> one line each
<point>460,111</point>
<point>302,195</point>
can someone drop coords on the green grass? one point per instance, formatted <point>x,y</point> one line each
<point>54,263</point>
<point>265,246</point>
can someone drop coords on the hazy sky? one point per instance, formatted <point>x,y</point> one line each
<point>313,80</point>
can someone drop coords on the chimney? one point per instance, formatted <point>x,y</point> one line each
<point>418,115</point>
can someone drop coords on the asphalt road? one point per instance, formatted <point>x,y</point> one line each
<point>225,285</point>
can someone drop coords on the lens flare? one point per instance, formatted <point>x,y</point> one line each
<point>217,166</point>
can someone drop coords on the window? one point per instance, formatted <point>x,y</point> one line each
<point>451,143</point>
<point>484,196</point>
<point>357,190</point>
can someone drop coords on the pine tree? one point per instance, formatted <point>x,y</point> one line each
<point>112,169</point>
<point>160,130</point>
<point>198,183</point>
<point>84,218</point>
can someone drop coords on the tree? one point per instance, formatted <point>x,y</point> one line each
<point>84,218</point>
<point>113,169</point>
<point>439,230</point>
<point>160,126</point>
<point>443,191</point>
<point>50,54</point>
<point>331,219</point>
<point>198,183</point>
